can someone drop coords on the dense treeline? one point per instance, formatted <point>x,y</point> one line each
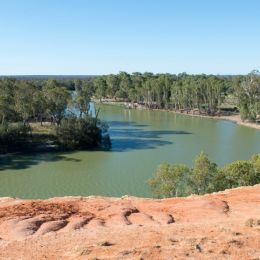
<point>203,94</point>
<point>207,94</point>
<point>204,177</point>
<point>165,91</point>
<point>26,101</point>
<point>23,103</point>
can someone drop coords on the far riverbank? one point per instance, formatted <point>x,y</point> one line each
<point>233,117</point>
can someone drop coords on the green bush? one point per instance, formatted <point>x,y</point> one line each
<point>79,133</point>
<point>204,177</point>
<point>169,180</point>
<point>202,173</point>
<point>12,136</point>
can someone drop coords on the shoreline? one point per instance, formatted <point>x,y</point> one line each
<point>235,118</point>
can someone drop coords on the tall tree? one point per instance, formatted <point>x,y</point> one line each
<point>57,98</point>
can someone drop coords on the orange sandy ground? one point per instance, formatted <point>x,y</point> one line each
<point>223,225</point>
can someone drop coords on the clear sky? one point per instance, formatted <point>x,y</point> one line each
<point>108,36</point>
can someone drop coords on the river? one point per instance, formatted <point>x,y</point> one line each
<point>141,140</point>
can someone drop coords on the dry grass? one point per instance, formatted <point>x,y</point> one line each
<point>45,128</point>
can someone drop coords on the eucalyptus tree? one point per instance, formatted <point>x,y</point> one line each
<point>112,83</point>
<point>168,180</point>
<point>181,92</point>
<point>137,81</point>
<point>202,173</point>
<point>178,180</point>
<point>147,92</point>
<point>6,99</point>
<point>166,89</point>
<point>82,97</point>
<point>57,98</point>
<point>39,106</point>
<point>100,87</point>
<point>176,94</point>
<point>247,91</point>
<point>25,99</point>
<point>125,85</point>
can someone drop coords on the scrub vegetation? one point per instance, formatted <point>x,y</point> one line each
<point>46,115</point>
<point>203,177</point>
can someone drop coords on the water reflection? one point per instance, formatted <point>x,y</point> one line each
<point>19,162</point>
<point>129,135</point>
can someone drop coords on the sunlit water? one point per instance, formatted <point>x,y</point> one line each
<point>141,140</point>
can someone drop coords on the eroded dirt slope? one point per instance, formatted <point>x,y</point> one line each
<point>223,225</point>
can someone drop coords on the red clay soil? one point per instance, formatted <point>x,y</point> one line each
<point>223,225</point>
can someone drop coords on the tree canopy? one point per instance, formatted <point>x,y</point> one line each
<point>204,177</point>
<point>66,113</point>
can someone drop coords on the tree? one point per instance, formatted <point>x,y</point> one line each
<point>39,106</point>
<point>112,83</point>
<point>247,92</point>
<point>57,98</point>
<point>242,173</point>
<point>6,100</point>
<point>24,100</point>
<point>79,133</point>
<point>82,97</point>
<point>182,92</point>
<point>101,87</point>
<point>179,180</point>
<point>168,180</point>
<point>202,173</point>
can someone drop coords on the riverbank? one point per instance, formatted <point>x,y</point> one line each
<point>233,117</point>
<point>213,226</point>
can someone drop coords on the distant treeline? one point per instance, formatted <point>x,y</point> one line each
<point>46,77</point>
<point>205,94</point>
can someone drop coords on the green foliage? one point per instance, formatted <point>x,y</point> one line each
<point>12,135</point>
<point>25,99</point>
<point>82,98</point>
<point>242,173</point>
<point>204,177</point>
<point>100,87</point>
<point>24,102</point>
<point>165,90</point>
<point>202,173</point>
<point>168,180</point>
<point>7,112</point>
<point>79,133</point>
<point>247,91</point>
<point>57,98</point>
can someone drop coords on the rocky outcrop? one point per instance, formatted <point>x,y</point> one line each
<point>223,225</point>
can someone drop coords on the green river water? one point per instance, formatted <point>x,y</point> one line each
<point>141,140</point>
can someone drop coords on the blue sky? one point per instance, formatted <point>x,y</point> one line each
<point>108,36</point>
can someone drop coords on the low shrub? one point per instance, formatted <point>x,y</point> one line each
<point>80,133</point>
<point>12,136</point>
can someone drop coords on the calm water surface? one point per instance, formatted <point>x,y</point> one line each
<point>141,140</point>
